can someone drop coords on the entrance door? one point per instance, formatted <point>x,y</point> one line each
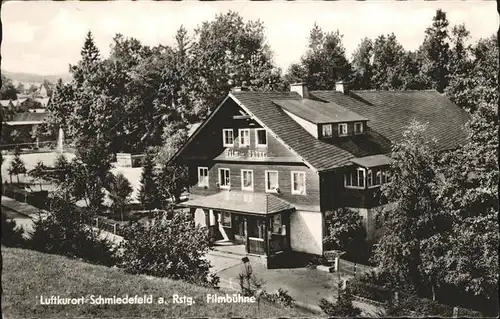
<point>239,229</point>
<point>256,230</point>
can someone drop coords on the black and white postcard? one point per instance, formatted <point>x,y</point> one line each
<point>249,159</point>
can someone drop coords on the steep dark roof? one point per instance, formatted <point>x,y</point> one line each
<point>319,112</point>
<point>389,112</point>
<point>318,153</point>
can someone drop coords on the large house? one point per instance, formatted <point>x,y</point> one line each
<point>265,167</point>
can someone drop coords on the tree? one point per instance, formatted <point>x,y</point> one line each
<point>343,307</point>
<point>436,52</point>
<point>60,109</point>
<point>89,175</point>
<point>172,181</point>
<point>415,227</point>
<point>119,191</point>
<point>148,193</point>
<point>476,81</point>
<point>346,232</point>
<point>20,88</point>
<point>32,89</point>
<point>39,172</point>
<point>387,56</point>
<point>8,90</point>
<point>174,136</point>
<point>325,62</point>
<point>17,165</point>
<point>471,198</point>
<point>362,65</point>
<point>173,248</point>
<point>61,169</point>
<point>229,52</point>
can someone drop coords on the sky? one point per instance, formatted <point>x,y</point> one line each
<point>44,37</point>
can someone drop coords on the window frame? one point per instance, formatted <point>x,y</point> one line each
<point>208,176</point>
<point>229,178</point>
<point>378,177</point>
<point>266,177</point>
<point>356,177</point>
<point>362,128</point>
<point>369,178</point>
<point>339,130</point>
<point>323,126</point>
<point>243,188</point>
<point>240,135</point>
<point>222,214</point>
<point>295,192</point>
<point>257,137</point>
<point>224,137</point>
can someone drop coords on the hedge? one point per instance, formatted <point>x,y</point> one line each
<point>422,306</point>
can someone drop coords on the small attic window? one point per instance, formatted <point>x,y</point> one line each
<point>358,128</point>
<point>326,130</point>
<point>343,129</point>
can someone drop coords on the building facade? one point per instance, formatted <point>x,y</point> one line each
<point>265,167</point>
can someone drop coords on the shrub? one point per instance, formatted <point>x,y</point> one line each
<point>63,232</point>
<point>250,285</point>
<point>280,297</point>
<point>173,248</point>
<point>17,166</point>
<point>370,291</point>
<point>12,236</point>
<point>342,308</point>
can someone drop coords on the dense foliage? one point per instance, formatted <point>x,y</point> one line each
<point>63,231</point>
<point>149,191</point>
<point>119,191</point>
<point>343,307</point>
<point>346,232</point>
<point>173,248</point>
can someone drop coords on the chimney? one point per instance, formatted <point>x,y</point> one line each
<point>301,89</point>
<point>341,87</point>
<point>240,89</point>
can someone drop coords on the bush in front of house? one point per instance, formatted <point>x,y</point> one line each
<point>12,236</point>
<point>173,248</point>
<point>63,232</point>
<point>343,307</point>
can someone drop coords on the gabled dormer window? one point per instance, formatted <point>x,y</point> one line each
<point>228,137</point>
<point>358,128</point>
<point>342,129</point>
<point>326,130</point>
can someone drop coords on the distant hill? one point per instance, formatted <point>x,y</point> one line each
<point>35,78</point>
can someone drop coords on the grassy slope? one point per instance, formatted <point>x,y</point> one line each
<point>28,274</point>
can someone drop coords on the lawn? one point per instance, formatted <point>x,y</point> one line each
<point>27,275</point>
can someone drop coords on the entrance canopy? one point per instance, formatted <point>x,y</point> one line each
<point>242,202</point>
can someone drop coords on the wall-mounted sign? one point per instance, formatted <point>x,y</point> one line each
<point>245,153</point>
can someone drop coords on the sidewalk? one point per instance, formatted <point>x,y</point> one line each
<point>306,286</point>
